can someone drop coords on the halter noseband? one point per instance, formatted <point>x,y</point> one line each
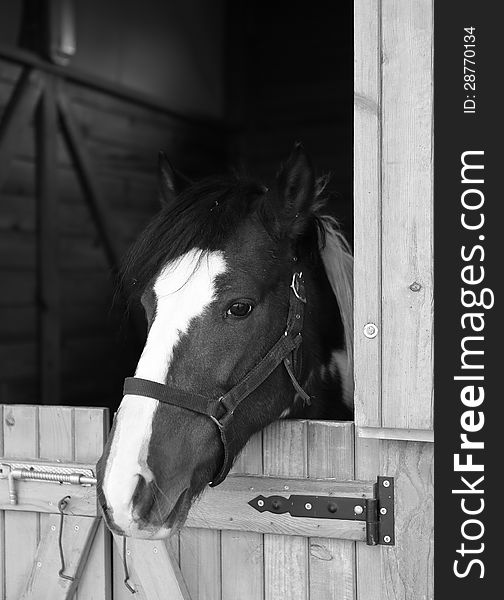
<point>221,410</point>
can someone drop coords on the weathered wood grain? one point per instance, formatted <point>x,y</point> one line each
<point>200,563</point>
<point>332,562</point>
<point>154,570</point>
<point>285,558</point>
<point>407,213</point>
<point>237,491</point>
<point>243,551</point>
<point>367,211</point>
<point>405,570</point>
<point>91,426</point>
<point>20,427</point>
<point>43,581</point>
<point>396,433</point>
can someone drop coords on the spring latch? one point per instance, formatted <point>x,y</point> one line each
<point>13,472</point>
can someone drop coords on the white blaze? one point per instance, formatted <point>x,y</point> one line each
<point>183,289</point>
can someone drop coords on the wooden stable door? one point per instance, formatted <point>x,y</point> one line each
<point>393,190</point>
<point>229,550</point>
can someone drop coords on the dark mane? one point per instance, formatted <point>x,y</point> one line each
<point>204,217</point>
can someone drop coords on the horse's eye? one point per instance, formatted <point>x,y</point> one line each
<point>239,310</point>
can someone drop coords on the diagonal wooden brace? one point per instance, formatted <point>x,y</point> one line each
<point>44,582</point>
<point>154,571</point>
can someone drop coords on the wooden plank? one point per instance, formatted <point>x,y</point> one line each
<point>17,116</point>
<point>48,288</point>
<point>405,570</point>
<point>243,552</point>
<point>407,225</point>
<point>91,426</point>
<point>153,566</point>
<point>43,582</point>
<point>393,433</point>
<point>55,425</point>
<point>332,562</point>
<point>119,589</point>
<point>286,559</point>
<point>20,429</point>
<point>367,203</point>
<point>200,562</point>
<point>368,558</point>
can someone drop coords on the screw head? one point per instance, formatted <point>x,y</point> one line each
<point>76,528</point>
<point>370,330</point>
<point>39,564</point>
<point>53,527</point>
<point>383,511</point>
<point>386,539</point>
<point>154,550</point>
<point>260,503</point>
<point>415,287</point>
<point>386,483</point>
<point>358,510</point>
<point>332,507</point>
<point>308,506</point>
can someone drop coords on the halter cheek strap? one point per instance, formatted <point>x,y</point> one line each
<point>221,410</point>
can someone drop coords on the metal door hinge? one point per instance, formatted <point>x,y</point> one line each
<point>377,512</point>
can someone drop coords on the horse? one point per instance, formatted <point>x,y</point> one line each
<point>247,294</point>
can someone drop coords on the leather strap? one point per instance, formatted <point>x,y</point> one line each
<point>221,410</point>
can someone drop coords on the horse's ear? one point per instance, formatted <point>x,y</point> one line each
<point>170,180</point>
<point>296,190</point>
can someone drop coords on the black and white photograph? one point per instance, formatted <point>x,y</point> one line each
<point>250,282</point>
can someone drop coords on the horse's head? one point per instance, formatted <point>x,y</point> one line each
<point>214,273</point>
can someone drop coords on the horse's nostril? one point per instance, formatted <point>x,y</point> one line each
<point>143,498</point>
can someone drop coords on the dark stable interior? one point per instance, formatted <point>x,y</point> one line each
<point>220,86</point>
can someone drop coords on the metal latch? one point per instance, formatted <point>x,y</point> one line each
<point>377,512</point>
<point>73,475</point>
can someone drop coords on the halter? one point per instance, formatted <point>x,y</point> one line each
<point>221,410</point>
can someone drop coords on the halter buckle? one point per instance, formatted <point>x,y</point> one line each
<point>297,286</point>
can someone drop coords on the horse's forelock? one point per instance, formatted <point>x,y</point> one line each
<point>203,217</point>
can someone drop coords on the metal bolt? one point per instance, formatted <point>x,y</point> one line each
<point>386,483</point>
<point>53,527</point>
<point>370,330</point>
<point>260,503</point>
<point>308,506</point>
<point>154,550</point>
<point>386,539</point>
<point>383,511</point>
<point>358,510</point>
<point>333,507</point>
<point>286,487</point>
<point>76,528</point>
<point>415,287</point>
<point>39,564</point>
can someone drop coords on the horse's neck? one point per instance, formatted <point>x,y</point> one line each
<point>324,373</point>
